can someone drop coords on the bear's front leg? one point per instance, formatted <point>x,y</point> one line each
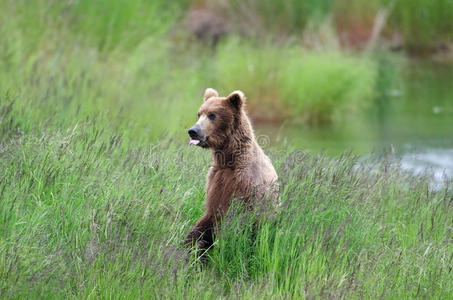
<point>202,234</point>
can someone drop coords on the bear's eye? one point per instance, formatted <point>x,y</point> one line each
<point>198,115</point>
<point>211,116</point>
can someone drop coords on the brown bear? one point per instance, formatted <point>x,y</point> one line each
<point>239,169</point>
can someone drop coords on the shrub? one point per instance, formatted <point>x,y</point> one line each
<point>314,87</point>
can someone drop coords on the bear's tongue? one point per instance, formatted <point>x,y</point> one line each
<point>194,142</point>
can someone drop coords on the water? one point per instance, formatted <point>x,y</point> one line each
<point>413,118</point>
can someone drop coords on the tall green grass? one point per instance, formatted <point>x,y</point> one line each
<point>98,189</point>
<point>57,69</point>
<point>87,214</point>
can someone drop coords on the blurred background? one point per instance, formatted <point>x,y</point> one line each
<point>323,75</point>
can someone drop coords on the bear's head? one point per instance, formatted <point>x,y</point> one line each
<point>218,118</point>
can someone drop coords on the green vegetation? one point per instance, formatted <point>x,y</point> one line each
<point>98,189</point>
<point>314,87</point>
<point>127,58</point>
<point>87,215</point>
<point>422,25</point>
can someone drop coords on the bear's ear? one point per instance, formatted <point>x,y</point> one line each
<point>209,93</point>
<point>236,99</point>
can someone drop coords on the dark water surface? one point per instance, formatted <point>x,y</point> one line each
<point>414,118</point>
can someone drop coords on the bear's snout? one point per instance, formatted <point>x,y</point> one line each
<point>194,132</point>
<point>196,135</point>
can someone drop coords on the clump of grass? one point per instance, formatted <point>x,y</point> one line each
<point>314,87</point>
<point>327,86</point>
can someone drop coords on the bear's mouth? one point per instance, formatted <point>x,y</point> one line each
<point>198,142</point>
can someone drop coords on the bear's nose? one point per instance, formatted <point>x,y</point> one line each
<point>193,132</point>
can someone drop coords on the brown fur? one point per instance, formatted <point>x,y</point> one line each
<point>239,169</point>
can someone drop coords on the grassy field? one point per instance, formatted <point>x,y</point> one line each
<point>98,187</point>
<point>84,214</point>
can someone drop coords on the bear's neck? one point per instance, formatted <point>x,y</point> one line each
<point>235,153</point>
